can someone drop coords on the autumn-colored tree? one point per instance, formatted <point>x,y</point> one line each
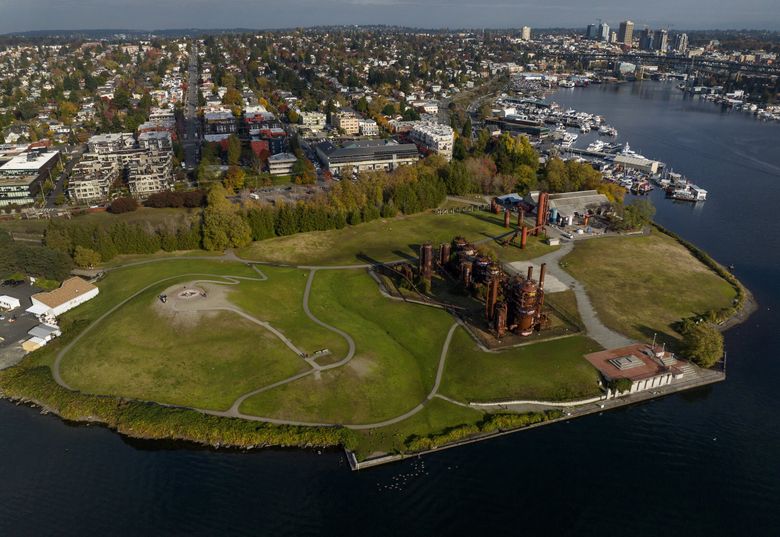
<point>234,179</point>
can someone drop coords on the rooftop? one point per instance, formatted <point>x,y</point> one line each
<point>71,288</point>
<point>29,161</point>
<point>634,362</point>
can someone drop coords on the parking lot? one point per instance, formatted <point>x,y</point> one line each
<point>15,324</point>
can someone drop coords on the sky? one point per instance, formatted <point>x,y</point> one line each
<point>23,15</point>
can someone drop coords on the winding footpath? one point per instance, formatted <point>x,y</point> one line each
<point>594,327</point>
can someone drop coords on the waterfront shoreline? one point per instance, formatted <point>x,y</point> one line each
<point>112,418</point>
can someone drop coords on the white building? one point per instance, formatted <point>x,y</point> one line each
<point>435,136</point>
<point>281,163</point>
<point>107,143</point>
<point>73,292</point>
<point>525,33</point>
<point>9,303</point>
<point>313,120</point>
<point>368,127</point>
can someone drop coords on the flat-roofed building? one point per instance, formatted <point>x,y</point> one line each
<point>347,122</point>
<point>108,143</point>
<point>368,127</point>
<point>92,177</point>
<point>645,366</point>
<point>281,163</point>
<point>8,303</point>
<point>220,122</point>
<point>366,155</point>
<point>641,164</point>
<point>435,137</point>
<point>19,190</point>
<point>313,120</point>
<point>159,140</point>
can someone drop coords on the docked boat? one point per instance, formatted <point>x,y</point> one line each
<point>606,130</point>
<point>689,192</point>
<point>641,188</point>
<point>568,140</point>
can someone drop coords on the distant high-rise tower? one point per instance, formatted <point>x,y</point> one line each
<point>525,33</point>
<point>591,32</point>
<point>681,43</point>
<point>613,36</point>
<point>646,39</point>
<point>603,31</point>
<point>661,41</point>
<point>626,33</point>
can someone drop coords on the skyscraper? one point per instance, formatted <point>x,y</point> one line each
<point>525,33</point>
<point>681,43</point>
<point>591,32</point>
<point>646,39</point>
<point>626,33</point>
<point>661,41</point>
<point>603,32</point>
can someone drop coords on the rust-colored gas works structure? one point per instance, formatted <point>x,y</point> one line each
<point>511,304</point>
<point>426,262</point>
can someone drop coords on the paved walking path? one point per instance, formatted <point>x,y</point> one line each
<point>604,336</point>
<point>595,329</point>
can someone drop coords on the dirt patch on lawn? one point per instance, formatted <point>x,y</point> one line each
<point>186,304</point>
<point>362,366</point>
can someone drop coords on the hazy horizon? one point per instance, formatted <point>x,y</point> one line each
<point>148,15</point>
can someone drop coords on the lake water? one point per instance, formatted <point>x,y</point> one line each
<point>706,462</point>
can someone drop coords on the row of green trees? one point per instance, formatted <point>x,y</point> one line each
<point>107,241</point>
<point>34,260</point>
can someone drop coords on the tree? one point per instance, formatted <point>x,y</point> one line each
<point>222,226</point>
<point>86,257</point>
<point>456,177</point>
<point>123,205</point>
<point>636,215</point>
<point>233,150</point>
<point>467,127</point>
<point>234,179</point>
<point>303,172</point>
<point>362,105</point>
<point>702,343</point>
<point>459,150</point>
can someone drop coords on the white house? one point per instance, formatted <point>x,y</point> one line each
<point>73,292</point>
<point>9,303</point>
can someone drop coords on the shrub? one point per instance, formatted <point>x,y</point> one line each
<point>123,205</point>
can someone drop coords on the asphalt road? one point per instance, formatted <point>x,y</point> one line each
<point>191,141</point>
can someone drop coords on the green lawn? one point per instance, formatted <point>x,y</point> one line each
<point>534,247</point>
<point>398,349</point>
<point>552,370</point>
<point>138,354</point>
<point>382,240</point>
<point>641,285</point>
<point>437,416</point>
<point>279,301</point>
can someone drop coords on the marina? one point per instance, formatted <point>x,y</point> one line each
<point>618,163</point>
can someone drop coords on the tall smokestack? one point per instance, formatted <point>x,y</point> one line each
<point>541,275</point>
<point>530,272</point>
